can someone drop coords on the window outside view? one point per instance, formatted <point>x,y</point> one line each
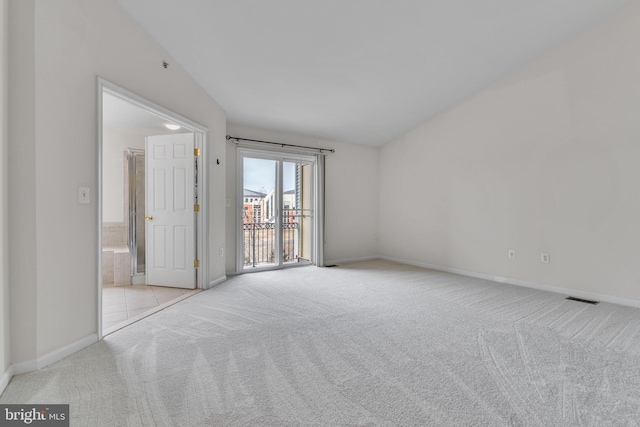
<point>260,212</point>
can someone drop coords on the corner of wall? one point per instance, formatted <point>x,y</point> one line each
<point>21,189</point>
<point>541,161</point>
<point>5,343</point>
<point>5,379</point>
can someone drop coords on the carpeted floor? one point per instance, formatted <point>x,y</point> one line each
<point>364,344</point>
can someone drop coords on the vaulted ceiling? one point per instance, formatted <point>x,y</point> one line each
<point>361,71</point>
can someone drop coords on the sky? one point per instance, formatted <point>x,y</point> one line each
<point>260,175</point>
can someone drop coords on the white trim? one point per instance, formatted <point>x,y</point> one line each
<point>139,279</point>
<point>319,179</point>
<point>202,141</point>
<point>343,260</point>
<point>54,356</point>
<point>25,367</point>
<point>238,211</point>
<point>99,199</point>
<point>5,379</point>
<point>159,110</point>
<point>217,282</point>
<point>65,351</point>
<point>277,209</point>
<point>517,282</point>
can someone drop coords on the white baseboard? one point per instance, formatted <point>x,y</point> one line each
<point>67,350</point>
<point>4,380</point>
<point>46,360</point>
<point>217,282</point>
<point>24,367</point>
<point>140,279</point>
<point>54,356</point>
<point>517,282</point>
<point>338,261</point>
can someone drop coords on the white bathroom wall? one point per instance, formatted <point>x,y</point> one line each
<point>115,143</point>
<point>543,161</point>
<point>58,49</point>
<point>351,194</point>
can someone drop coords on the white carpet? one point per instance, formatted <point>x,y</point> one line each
<point>365,344</point>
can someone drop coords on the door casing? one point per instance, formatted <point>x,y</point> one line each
<point>201,143</point>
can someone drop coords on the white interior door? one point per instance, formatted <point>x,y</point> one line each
<point>170,217</point>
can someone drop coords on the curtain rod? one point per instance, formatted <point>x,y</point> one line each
<point>331,150</point>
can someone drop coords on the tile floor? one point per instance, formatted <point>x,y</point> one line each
<point>122,305</point>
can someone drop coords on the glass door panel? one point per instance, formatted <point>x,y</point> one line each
<point>136,207</point>
<point>259,213</point>
<point>297,212</point>
<point>277,214</point>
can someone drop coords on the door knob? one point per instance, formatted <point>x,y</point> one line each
<point>148,218</point>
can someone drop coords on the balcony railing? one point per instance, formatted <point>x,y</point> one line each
<point>260,241</point>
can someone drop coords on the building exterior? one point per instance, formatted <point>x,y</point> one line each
<point>253,206</point>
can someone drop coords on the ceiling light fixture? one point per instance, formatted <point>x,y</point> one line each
<point>172,127</point>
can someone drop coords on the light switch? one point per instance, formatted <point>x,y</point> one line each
<point>83,195</point>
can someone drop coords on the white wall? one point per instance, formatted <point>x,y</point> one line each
<point>22,182</point>
<point>544,160</point>
<point>351,194</point>
<point>57,51</point>
<point>5,347</point>
<point>114,144</point>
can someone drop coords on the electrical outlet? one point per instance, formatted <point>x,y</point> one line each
<point>221,252</point>
<point>511,254</point>
<point>544,258</point>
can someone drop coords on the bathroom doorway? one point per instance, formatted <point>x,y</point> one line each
<point>129,126</point>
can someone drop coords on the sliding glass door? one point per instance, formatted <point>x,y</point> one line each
<point>277,215</point>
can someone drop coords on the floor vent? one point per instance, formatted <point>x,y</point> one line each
<point>331,265</point>
<point>586,301</point>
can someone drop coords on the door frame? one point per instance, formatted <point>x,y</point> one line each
<point>317,244</point>
<point>202,140</point>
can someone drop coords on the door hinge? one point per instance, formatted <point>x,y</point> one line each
<point>196,208</point>
<point>196,152</point>
<point>196,263</point>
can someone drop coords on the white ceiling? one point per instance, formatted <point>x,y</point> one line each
<point>361,71</point>
<point>126,117</point>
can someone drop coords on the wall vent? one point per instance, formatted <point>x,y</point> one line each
<point>586,301</point>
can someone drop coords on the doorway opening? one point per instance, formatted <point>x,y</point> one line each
<point>151,207</point>
<point>278,224</point>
